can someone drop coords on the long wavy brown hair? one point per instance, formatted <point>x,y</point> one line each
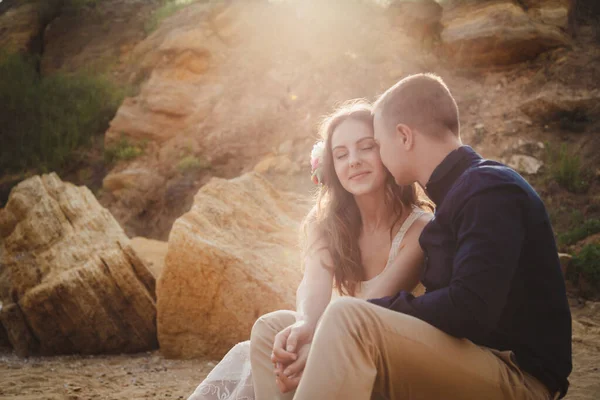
<point>336,213</point>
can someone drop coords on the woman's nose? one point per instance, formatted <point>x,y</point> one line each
<point>353,159</point>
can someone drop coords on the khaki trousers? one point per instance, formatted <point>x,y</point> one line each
<point>362,351</point>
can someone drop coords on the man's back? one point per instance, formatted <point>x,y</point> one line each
<point>521,300</point>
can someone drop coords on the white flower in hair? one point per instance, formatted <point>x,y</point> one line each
<point>316,162</point>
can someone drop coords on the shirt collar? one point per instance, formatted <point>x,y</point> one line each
<point>448,171</point>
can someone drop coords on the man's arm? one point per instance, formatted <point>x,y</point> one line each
<point>490,233</point>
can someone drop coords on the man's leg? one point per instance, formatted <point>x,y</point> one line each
<point>360,348</point>
<point>261,347</point>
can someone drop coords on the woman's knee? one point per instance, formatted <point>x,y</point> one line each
<point>272,323</point>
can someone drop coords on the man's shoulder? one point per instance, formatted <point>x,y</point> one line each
<point>487,176</point>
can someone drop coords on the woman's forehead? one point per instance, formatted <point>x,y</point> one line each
<point>350,132</point>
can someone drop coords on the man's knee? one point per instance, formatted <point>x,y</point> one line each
<point>344,313</point>
<point>358,317</point>
<point>345,304</point>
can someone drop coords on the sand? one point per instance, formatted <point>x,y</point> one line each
<point>126,376</point>
<point>150,376</point>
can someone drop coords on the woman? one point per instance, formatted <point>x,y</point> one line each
<point>361,238</point>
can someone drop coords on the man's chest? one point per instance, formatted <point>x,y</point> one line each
<point>439,244</point>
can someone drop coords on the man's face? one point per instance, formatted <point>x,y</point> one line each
<point>392,150</point>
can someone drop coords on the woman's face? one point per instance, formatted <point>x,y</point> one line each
<point>356,157</point>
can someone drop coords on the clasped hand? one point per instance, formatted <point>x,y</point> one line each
<point>290,352</point>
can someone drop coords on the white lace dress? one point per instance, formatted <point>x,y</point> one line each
<point>231,379</point>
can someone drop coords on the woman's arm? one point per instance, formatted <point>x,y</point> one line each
<point>314,292</point>
<point>405,270</point>
<point>312,297</point>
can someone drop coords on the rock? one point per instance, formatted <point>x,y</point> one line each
<point>561,105</point>
<point>565,260</point>
<point>70,282</point>
<point>527,147</point>
<point>549,12</point>
<point>22,26</point>
<point>524,164</point>
<point>162,110</point>
<point>277,164</point>
<point>233,257</point>
<point>135,189</point>
<point>140,178</point>
<point>175,97</point>
<point>153,252</point>
<point>495,33</point>
<point>418,18</point>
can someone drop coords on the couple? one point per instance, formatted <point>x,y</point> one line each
<point>494,322</point>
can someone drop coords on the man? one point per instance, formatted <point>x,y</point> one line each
<point>495,322</point>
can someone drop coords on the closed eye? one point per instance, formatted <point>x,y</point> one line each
<point>341,156</point>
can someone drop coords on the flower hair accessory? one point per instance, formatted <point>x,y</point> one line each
<point>316,162</point>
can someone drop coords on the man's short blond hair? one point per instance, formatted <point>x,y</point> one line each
<point>421,101</point>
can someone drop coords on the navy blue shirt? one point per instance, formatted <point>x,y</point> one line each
<point>491,267</point>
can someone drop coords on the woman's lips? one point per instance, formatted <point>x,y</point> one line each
<point>360,175</point>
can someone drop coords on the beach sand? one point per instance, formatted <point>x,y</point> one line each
<point>151,376</point>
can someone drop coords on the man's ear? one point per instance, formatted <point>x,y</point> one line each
<point>405,135</point>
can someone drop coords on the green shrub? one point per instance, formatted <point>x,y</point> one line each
<point>584,270</point>
<point>191,164</point>
<point>566,169</point>
<point>580,232</point>
<point>44,120</point>
<point>122,151</point>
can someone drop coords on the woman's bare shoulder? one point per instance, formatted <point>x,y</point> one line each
<point>417,227</point>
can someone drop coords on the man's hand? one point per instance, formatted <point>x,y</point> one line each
<point>288,377</point>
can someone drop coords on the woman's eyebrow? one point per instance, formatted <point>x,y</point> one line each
<point>365,138</point>
<point>362,139</point>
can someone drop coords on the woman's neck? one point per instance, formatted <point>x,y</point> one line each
<point>375,213</point>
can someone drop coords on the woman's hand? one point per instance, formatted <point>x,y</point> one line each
<point>290,352</point>
<point>289,340</point>
<point>288,377</point>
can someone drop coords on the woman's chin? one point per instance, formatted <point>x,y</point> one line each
<point>362,188</point>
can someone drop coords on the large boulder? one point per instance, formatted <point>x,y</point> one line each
<point>69,280</point>
<point>558,104</point>
<point>233,257</point>
<point>497,32</point>
<point>21,26</point>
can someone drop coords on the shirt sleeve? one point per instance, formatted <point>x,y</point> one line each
<point>489,234</point>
